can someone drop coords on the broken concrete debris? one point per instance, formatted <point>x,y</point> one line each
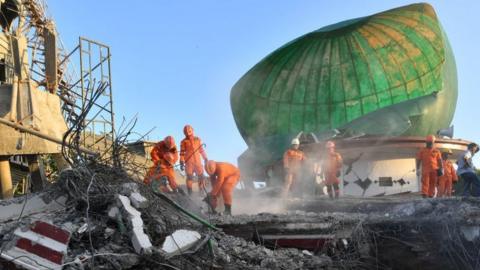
<point>470,232</point>
<point>140,241</point>
<point>180,241</point>
<point>37,203</point>
<point>138,201</point>
<point>39,246</point>
<point>346,234</point>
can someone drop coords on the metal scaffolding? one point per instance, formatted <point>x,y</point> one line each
<point>92,59</point>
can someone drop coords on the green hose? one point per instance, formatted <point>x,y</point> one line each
<point>183,210</point>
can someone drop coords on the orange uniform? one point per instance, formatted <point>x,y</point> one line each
<point>292,160</point>
<point>445,181</point>
<point>191,152</point>
<point>224,178</point>
<point>163,161</point>
<point>292,163</point>
<point>430,159</point>
<point>331,167</point>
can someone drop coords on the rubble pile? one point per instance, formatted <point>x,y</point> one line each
<point>247,255</point>
<point>112,222</point>
<point>378,233</point>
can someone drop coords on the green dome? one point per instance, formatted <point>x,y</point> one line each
<point>392,73</point>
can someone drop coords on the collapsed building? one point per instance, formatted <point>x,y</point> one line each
<point>94,213</point>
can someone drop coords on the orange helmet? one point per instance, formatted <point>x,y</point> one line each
<point>169,142</point>
<point>430,138</point>
<point>210,167</point>
<point>330,144</point>
<point>188,130</point>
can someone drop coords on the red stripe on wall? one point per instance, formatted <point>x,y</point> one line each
<point>39,250</point>
<point>51,231</point>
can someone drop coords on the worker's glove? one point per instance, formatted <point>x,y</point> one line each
<point>182,166</point>
<point>164,180</point>
<point>439,172</point>
<point>338,174</point>
<point>287,170</point>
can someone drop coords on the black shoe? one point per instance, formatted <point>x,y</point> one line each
<point>228,210</point>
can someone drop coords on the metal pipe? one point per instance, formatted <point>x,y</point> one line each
<point>41,135</point>
<point>68,56</point>
<point>112,114</point>
<point>93,41</point>
<point>5,178</point>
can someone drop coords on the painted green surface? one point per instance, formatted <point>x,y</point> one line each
<point>347,76</point>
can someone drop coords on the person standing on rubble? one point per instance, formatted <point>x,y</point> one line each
<point>431,161</point>
<point>449,176</point>
<point>331,170</point>
<point>224,177</point>
<point>292,164</point>
<point>466,170</point>
<point>164,156</point>
<point>191,149</point>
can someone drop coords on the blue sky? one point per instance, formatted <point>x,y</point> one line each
<point>174,62</point>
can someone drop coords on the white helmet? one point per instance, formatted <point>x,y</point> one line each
<point>295,141</point>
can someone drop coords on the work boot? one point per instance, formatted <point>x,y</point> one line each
<point>189,190</point>
<point>228,210</point>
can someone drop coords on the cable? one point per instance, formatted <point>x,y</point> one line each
<point>92,250</point>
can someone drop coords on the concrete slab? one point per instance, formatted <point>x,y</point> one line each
<point>138,201</point>
<point>180,241</point>
<point>140,241</point>
<point>10,209</point>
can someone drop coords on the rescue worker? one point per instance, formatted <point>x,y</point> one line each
<point>331,170</point>
<point>164,156</point>
<point>431,161</point>
<point>292,164</point>
<point>466,170</point>
<point>191,149</point>
<point>449,176</point>
<point>223,176</point>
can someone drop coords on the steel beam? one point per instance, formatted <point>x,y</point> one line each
<point>42,135</point>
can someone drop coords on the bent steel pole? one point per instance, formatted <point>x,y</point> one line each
<point>42,135</point>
